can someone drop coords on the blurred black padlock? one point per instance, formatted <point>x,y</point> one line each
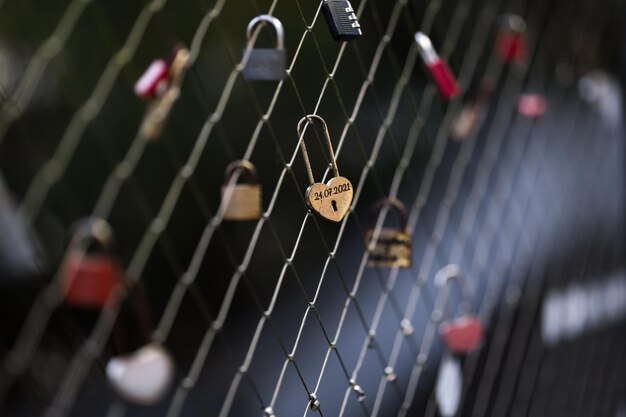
<point>266,64</point>
<point>341,20</point>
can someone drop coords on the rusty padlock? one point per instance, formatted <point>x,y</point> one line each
<point>389,247</point>
<point>90,271</point>
<point>465,332</point>
<point>241,201</point>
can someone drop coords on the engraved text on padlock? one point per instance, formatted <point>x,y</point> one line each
<point>331,200</point>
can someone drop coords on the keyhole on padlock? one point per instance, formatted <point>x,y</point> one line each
<point>334,204</point>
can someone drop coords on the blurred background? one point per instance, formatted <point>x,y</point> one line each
<point>519,180</point>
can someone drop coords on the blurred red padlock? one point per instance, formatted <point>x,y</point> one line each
<point>531,105</point>
<point>154,81</point>
<point>90,270</point>
<point>511,44</point>
<point>464,333</point>
<point>437,68</point>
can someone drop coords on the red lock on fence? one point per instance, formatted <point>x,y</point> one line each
<point>464,333</point>
<point>511,44</point>
<point>437,68</point>
<point>154,81</point>
<point>90,270</point>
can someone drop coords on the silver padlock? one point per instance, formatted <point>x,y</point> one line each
<point>241,201</point>
<point>265,64</point>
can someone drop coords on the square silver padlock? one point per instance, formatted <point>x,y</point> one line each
<point>265,64</point>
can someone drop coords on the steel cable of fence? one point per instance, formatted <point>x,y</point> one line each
<point>156,233</point>
<point>522,329</point>
<point>395,183</point>
<point>528,318</point>
<point>546,377</point>
<point>49,298</point>
<point>54,169</point>
<point>442,223</point>
<point>495,350</point>
<point>533,307</point>
<point>15,105</point>
<point>513,287</point>
<point>492,295</point>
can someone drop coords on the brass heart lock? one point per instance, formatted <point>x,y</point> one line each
<point>389,247</point>
<point>331,200</point>
<point>241,201</point>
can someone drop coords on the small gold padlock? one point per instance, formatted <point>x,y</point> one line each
<point>331,200</point>
<point>241,201</point>
<point>389,247</point>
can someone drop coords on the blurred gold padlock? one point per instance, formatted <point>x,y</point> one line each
<point>241,201</point>
<point>389,247</point>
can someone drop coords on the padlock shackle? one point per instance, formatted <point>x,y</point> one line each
<point>301,126</point>
<point>278,26</point>
<point>512,23</point>
<point>178,61</point>
<point>426,48</point>
<point>137,291</point>
<point>241,165</point>
<point>93,229</point>
<point>452,272</point>
<point>392,203</point>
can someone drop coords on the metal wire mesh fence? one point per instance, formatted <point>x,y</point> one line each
<point>285,314</point>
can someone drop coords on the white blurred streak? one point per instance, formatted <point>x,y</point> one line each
<point>602,90</point>
<point>569,313</point>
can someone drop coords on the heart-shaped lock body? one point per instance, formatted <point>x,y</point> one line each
<point>463,334</point>
<point>331,200</point>
<point>143,376</point>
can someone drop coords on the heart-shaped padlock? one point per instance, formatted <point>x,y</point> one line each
<point>460,335</point>
<point>331,200</point>
<point>464,333</point>
<point>144,375</point>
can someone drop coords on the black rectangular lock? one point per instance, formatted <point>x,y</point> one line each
<point>341,19</point>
